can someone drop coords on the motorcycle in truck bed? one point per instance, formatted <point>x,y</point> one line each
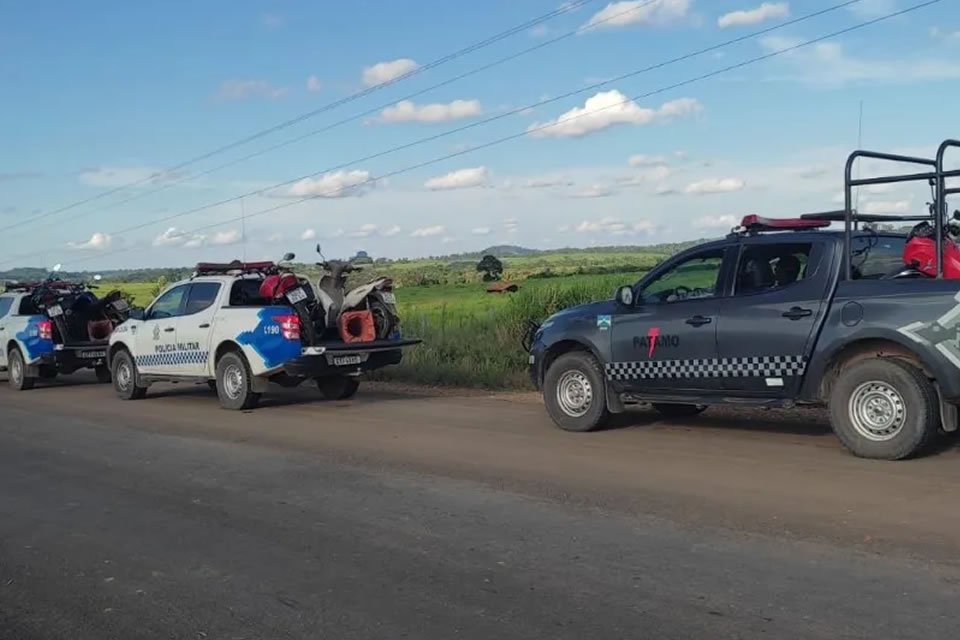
<point>239,327</point>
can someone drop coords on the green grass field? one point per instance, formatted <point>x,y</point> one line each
<point>471,337</point>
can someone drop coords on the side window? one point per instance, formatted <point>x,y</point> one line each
<point>695,277</point>
<point>202,295</point>
<point>770,267</point>
<point>874,256</point>
<point>5,304</point>
<point>169,304</point>
<point>27,308</point>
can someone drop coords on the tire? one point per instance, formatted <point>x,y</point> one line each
<point>17,372</point>
<point>103,374</point>
<point>125,377</point>
<point>338,387</point>
<point>235,383</point>
<point>885,409</point>
<point>574,392</point>
<point>678,410</point>
<point>383,319</point>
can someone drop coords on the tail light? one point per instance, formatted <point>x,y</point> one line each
<point>387,285</point>
<point>45,329</point>
<point>289,326</point>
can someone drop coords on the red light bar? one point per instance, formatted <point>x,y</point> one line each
<point>757,223</point>
<point>236,265</point>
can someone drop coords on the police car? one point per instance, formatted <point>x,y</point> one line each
<point>214,328</point>
<point>778,313</point>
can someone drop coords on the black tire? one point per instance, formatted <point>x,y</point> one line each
<point>383,320</point>
<point>125,377</point>
<point>235,383</point>
<point>103,374</point>
<point>17,372</point>
<point>885,409</point>
<point>338,387</point>
<point>572,376</point>
<point>678,410</point>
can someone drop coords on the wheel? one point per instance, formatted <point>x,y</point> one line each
<point>17,372</point>
<point>884,408</point>
<point>103,374</point>
<point>125,377</point>
<point>338,387</point>
<point>574,392</point>
<point>382,318</point>
<point>234,382</point>
<point>678,410</point>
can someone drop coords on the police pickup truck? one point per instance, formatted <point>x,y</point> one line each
<point>778,313</point>
<point>214,328</point>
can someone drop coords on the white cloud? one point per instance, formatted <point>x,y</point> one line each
<point>338,184</point>
<point>539,31</point>
<point>171,237</point>
<point>511,225</point>
<point>644,160</point>
<point>407,111</point>
<point>223,238</point>
<point>594,191</point>
<point>610,226</point>
<point>425,232</point>
<point>543,182</point>
<point>387,71</point>
<point>630,12</point>
<point>665,190</point>
<point>644,176</point>
<point>195,241</point>
<point>448,240</point>
<point>242,89</point>
<point>827,64</point>
<point>314,84</point>
<point>939,34</point>
<point>886,206</point>
<point>98,241</point>
<point>392,231</point>
<point>459,179</point>
<point>308,234</point>
<point>715,185</point>
<point>745,17</point>
<point>873,8</point>
<point>480,231</point>
<point>275,238</point>
<point>365,231</point>
<point>608,108</point>
<point>716,222</point>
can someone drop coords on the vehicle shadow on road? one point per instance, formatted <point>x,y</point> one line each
<point>804,422</point>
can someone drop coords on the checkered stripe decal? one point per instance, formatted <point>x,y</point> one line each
<point>759,366</point>
<point>172,358</point>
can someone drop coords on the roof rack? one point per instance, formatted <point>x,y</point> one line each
<point>840,215</point>
<point>758,224</point>
<point>935,174</point>
<point>235,267</point>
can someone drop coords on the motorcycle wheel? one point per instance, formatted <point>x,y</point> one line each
<point>382,318</point>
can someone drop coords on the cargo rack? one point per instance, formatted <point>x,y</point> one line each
<point>227,268</point>
<point>935,175</point>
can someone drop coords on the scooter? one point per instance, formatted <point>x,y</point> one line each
<point>375,296</point>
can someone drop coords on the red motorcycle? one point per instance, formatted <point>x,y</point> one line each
<point>920,251</point>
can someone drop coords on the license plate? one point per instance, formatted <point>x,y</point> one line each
<point>388,297</point>
<point>121,305</point>
<point>55,310</point>
<point>341,361</point>
<point>296,295</point>
<point>93,355</point>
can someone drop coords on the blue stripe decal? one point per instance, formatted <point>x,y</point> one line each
<point>267,338</point>
<point>31,341</point>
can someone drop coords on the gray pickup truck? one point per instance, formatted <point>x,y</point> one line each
<point>778,313</point>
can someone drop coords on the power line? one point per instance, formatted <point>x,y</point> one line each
<point>477,123</point>
<point>566,7</point>
<point>353,118</point>
<point>524,133</point>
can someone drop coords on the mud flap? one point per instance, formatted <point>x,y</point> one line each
<point>948,413</point>
<point>259,384</point>
<point>614,400</point>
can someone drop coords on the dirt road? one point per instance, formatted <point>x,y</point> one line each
<point>405,513</point>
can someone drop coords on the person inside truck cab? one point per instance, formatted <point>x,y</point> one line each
<point>786,271</point>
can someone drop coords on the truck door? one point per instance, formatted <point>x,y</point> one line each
<point>157,337</point>
<point>6,309</point>
<point>195,327</point>
<point>667,341</point>
<point>766,325</point>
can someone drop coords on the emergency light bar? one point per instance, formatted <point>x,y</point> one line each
<point>758,224</point>
<point>223,268</point>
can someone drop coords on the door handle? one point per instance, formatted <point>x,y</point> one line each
<point>170,329</point>
<point>795,313</point>
<point>205,325</point>
<point>698,321</point>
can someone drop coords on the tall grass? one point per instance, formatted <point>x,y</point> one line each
<point>477,345</point>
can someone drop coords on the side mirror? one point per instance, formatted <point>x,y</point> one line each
<point>97,278</point>
<point>287,257</point>
<point>137,313</point>
<point>624,296</point>
<point>318,249</point>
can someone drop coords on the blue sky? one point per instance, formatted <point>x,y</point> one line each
<point>97,96</point>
